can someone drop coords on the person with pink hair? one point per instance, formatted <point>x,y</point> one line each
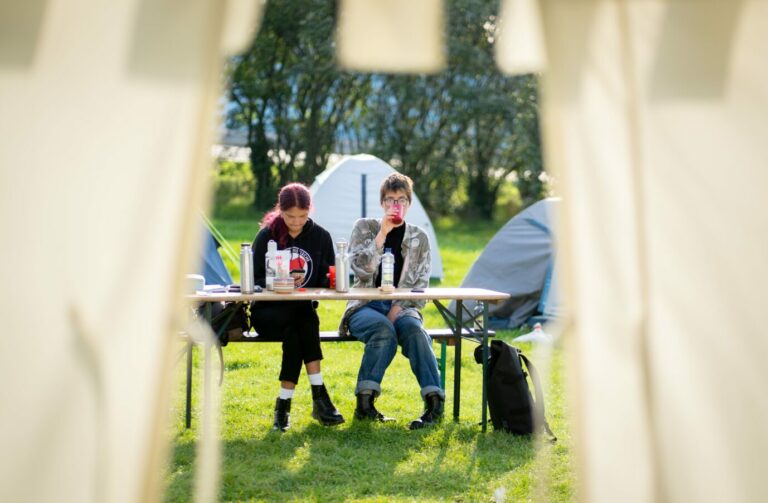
<point>295,323</point>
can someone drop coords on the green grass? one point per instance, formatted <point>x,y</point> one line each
<point>372,462</point>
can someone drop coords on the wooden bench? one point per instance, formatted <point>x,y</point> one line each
<point>445,336</point>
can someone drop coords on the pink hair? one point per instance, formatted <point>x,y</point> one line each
<point>293,195</point>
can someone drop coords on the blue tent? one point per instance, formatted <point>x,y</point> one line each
<point>212,266</point>
<point>520,260</point>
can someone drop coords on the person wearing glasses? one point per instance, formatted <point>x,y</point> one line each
<point>383,325</point>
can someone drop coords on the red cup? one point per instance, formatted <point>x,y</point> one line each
<point>332,275</point>
<point>397,218</point>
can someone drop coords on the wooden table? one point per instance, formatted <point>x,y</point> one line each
<point>461,321</point>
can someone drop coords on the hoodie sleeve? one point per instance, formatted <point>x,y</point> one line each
<point>327,259</point>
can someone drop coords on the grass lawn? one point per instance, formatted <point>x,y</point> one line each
<point>361,461</point>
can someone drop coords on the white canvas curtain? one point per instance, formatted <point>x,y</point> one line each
<point>106,123</point>
<point>656,124</point>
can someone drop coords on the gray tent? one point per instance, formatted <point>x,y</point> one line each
<point>520,260</point>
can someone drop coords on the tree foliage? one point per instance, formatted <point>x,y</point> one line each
<point>289,96</point>
<point>467,130</point>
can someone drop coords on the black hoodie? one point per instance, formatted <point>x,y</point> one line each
<point>312,251</point>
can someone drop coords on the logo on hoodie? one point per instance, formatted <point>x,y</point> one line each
<point>301,264</point>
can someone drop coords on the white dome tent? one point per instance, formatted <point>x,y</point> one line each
<point>349,190</point>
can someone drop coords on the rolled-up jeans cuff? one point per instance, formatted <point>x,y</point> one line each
<point>432,389</point>
<point>368,385</point>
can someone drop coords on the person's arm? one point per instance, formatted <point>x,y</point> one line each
<point>385,227</point>
<point>417,272</point>
<point>328,258</point>
<point>364,252</point>
<point>259,253</point>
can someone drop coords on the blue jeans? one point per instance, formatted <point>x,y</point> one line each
<point>370,325</point>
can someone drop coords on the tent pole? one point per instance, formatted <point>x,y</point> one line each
<point>363,203</point>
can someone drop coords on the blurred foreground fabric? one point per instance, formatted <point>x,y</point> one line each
<point>107,117</point>
<point>656,126</point>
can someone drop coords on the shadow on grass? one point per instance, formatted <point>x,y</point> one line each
<point>358,460</point>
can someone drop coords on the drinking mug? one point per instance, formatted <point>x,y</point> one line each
<point>397,218</point>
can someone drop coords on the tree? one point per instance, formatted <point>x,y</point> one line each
<point>469,128</point>
<point>408,123</point>
<point>465,131</point>
<point>289,96</point>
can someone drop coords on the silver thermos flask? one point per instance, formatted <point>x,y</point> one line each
<point>342,267</point>
<point>246,268</point>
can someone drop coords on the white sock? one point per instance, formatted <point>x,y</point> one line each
<point>316,379</point>
<point>285,393</point>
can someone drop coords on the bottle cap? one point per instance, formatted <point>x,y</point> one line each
<point>243,245</point>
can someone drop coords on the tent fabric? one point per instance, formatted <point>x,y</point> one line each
<point>338,193</point>
<point>654,120</point>
<point>519,260</point>
<point>106,114</point>
<point>211,264</point>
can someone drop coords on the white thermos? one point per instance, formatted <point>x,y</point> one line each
<point>342,267</point>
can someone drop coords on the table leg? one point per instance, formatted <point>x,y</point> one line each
<point>457,362</point>
<point>207,402</point>
<point>485,367</point>
<point>188,407</point>
<point>443,360</point>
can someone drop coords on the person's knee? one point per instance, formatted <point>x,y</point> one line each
<point>376,329</point>
<point>382,335</point>
<point>413,339</point>
<point>408,323</point>
<point>410,329</point>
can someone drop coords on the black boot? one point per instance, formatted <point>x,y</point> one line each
<point>366,410</point>
<point>434,405</point>
<point>282,414</point>
<point>323,409</point>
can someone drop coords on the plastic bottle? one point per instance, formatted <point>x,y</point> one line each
<point>387,271</point>
<point>270,264</point>
<point>246,268</point>
<point>536,335</point>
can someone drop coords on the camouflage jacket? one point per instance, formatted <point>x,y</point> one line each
<point>364,260</point>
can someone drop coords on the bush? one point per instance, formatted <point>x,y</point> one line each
<point>508,202</point>
<point>233,183</point>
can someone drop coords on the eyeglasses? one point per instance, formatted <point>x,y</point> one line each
<point>389,201</point>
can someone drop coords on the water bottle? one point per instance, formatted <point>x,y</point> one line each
<point>342,267</point>
<point>246,268</point>
<point>536,335</point>
<point>387,271</point>
<point>270,265</point>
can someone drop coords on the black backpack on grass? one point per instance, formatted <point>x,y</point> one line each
<point>513,408</point>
